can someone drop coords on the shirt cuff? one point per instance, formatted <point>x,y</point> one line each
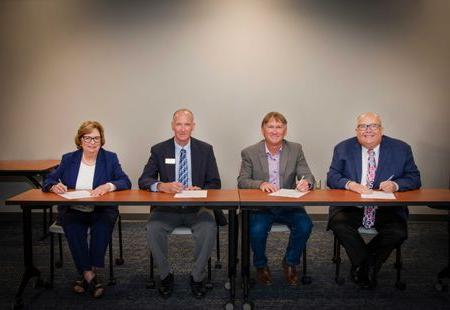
<point>112,187</point>
<point>396,186</point>
<point>154,187</point>
<point>347,185</point>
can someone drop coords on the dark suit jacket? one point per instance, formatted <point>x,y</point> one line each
<point>395,158</point>
<point>107,169</point>
<point>203,162</point>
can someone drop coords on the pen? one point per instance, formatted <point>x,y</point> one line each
<point>390,178</point>
<point>300,181</point>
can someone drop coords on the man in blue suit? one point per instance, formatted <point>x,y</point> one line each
<point>181,163</point>
<point>369,161</point>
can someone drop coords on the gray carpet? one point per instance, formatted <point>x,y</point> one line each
<point>424,255</point>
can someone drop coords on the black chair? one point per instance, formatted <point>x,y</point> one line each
<point>220,221</point>
<point>55,228</point>
<point>363,231</point>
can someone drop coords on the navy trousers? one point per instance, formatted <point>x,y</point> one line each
<point>100,223</point>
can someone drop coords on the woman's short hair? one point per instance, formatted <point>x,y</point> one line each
<point>87,127</point>
<point>276,116</point>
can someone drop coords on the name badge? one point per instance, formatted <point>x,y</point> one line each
<point>170,161</point>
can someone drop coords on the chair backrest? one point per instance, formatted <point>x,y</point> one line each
<point>182,230</point>
<point>279,228</point>
<point>367,231</point>
<point>55,228</point>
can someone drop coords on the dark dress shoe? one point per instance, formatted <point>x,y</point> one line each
<point>263,275</point>
<point>166,287</point>
<point>290,273</point>
<point>372,276</point>
<point>197,288</point>
<point>359,275</point>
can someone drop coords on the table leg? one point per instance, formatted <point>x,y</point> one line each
<point>232,256</point>
<point>38,185</point>
<point>245,258</point>
<point>445,273</point>
<point>30,270</point>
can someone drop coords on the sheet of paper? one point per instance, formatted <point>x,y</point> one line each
<point>192,194</point>
<point>379,195</point>
<point>76,194</point>
<point>291,193</point>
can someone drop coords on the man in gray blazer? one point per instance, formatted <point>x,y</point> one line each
<point>270,165</point>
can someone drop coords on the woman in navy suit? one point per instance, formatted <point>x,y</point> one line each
<point>97,170</point>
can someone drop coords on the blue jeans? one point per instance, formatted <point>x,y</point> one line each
<point>261,222</point>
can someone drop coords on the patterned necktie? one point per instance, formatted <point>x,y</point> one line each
<point>369,211</point>
<point>183,169</point>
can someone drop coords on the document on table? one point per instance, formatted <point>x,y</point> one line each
<point>76,194</point>
<point>192,194</point>
<point>290,193</point>
<point>379,195</point>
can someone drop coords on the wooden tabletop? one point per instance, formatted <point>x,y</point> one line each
<point>245,197</point>
<point>27,166</point>
<point>128,197</point>
<point>336,197</point>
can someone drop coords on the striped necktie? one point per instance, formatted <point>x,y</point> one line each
<point>369,211</point>
<point>183,169</point>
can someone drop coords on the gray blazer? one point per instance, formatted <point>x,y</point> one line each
<point>255,168</point>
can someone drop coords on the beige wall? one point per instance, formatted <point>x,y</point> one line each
<point>230,62</point>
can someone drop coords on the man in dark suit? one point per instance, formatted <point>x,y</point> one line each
<point>371,161</point>
<point>269,165</point>
<point>181,163</point>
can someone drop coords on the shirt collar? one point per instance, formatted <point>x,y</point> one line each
<point>179,147</point>
<point>376,149</point>
<point>268,152</point>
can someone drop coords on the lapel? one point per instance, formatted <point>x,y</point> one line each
<point>100,169</point>
<point>284,158</point>
<point>263,160</point>
<point>195,164</point>
<point>382,161</point>
<point>357,160</point>
<point>169,152</point>
<point>74,168</point>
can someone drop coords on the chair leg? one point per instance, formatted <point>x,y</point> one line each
<point>120,261</point>
<point>112,280</point>
<point>59,263</point>
<point>208,283</point>
<point>151,280</point>
<point>399,265</point>
<point>305,278</point>
<point>337,260</point>
<point>52,260</point>
<point>218,264</point>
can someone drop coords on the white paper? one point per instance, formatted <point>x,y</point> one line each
<point>76,194</point>
<point>291,193</point>
<point>192,194</point>
<point>379,195</point>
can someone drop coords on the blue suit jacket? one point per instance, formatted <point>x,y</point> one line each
<point>395,158</point>
<point>107,169</point>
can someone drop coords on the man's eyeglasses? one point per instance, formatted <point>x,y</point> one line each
<point>89,139</point>
<point>363,127</point>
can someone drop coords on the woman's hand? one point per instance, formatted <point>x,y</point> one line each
<point>101,190</point>
<point>58,188</point>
